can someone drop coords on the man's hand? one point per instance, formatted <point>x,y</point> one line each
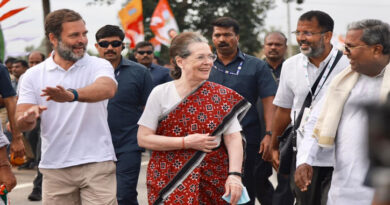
<point>57,94</point>
<point>265,148</point>
<point>30,116</point>
<point>7,178</point>
<point>303,176</point>
<point>17,146</point>
<point>275,158</point>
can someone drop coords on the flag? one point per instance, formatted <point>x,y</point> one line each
<point>131,18</point>
<point>11,13</point>
<point>157,46</point>
<point>163,23</point>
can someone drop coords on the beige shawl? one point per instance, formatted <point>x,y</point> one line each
<point>337,94</point>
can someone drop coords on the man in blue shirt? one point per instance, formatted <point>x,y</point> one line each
<point>124,110</point>
<point>143,52</point>
<point>251,78</point>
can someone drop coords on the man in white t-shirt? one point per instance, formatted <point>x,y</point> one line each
<point>70,91</point>
<point>313,33</point>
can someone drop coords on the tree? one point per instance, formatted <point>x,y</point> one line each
<point>197,15</point>
<point>46,11</point>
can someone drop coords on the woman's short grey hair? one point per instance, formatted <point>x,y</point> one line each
<point>179,47</point>
<point>374,32</point>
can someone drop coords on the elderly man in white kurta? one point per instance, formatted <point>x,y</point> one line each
<point>340,120</point>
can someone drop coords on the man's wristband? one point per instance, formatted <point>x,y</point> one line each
<point>75,93</point>
<point>235,173</point>
<point>268,133</point>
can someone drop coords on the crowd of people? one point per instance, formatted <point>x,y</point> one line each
<point>213,122</point>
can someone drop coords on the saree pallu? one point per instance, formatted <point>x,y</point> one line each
<point>189,176</point>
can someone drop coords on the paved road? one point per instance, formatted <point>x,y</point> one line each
<point>19,194</point>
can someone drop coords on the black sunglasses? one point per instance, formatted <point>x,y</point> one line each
<point>105,44</point>
<point>143,52</point>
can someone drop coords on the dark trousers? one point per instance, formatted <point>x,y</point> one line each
<point>34,138</point>
<point>317,191</point>
<point>127,172</point>
<point>283,194</point>
<point>255,178</point>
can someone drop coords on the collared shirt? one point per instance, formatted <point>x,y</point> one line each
<point>159,74</point>
<point>351,143</point>
<point>6,91</point>
<point>275,72</point>
<point>293,89</point>
<point>253,81</point>
<point>72,133</point>
<point>126,107</point>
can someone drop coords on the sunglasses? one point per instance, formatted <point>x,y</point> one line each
<point>114,44</point>
<point>143,52</point>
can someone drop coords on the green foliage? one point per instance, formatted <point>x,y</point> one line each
<point>197,15</point>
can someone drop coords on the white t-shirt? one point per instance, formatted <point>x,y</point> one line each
<point>293,89</point>
<point>161,100</point>
<point>73,133</point>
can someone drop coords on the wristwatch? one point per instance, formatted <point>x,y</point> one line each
<point>268,133</point>
<point>76,95</point>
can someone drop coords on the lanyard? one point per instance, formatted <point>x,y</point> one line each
<point>229,72</point>
<point>322,81</point>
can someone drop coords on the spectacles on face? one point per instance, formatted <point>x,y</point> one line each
<point>114,44</point>
<point>349,48</point>
<point>307,33</point>
<point>210,57</point>
<point>143,52</point>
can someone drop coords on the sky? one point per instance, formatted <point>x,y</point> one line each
<point>96,16</point>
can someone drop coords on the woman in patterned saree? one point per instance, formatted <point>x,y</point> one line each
<point>193,129</point>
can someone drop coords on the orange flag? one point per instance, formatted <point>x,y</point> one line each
<point>131,18</point>
<point>163,23</point>
<point>11,13</point>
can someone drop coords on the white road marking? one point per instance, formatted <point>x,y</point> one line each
<point>22,186</point>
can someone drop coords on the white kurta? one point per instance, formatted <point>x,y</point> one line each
<point>351,152</point>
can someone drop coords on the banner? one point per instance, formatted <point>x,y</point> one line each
<point>2,46</point>
<point>163,23</point>
<point>131,18</point>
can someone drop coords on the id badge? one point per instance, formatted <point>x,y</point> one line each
<point>305,118</point>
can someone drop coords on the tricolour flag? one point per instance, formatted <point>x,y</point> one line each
<point>131,18</point>
<point>163,23</point>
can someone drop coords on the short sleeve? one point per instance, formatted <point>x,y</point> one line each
<point>284,96</point>
<point>152,111</point>
<point>233,127</point>
<point>6,89</point>
<point>266,83</point>
<point>26,93</point>
<point>104,69</point>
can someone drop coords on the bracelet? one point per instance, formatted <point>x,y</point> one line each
<point>183,146</point>
<point>235,173</point>
<point>5,163</point>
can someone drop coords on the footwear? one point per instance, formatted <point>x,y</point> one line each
<point>36,195</point>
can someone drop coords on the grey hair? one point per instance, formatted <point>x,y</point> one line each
<point>179,47</point>
<point>374,32</point>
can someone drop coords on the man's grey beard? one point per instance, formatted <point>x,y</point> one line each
<point>316,51</point>
<point>66,52</point>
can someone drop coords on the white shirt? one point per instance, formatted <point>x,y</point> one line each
<point>293,89</point>
<point>3,139</point>
<point>351,145</point>
<point>73,133</point>
<point>161,100</point>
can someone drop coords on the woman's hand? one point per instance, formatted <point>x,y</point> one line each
<point>233,187</point>
<point>201,142</point>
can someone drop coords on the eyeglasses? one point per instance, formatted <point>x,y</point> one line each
<point>349,48</point>
<point>143,52</point>
<point>210,57</point>
<point>114,44</point>
<point>307,33</point>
